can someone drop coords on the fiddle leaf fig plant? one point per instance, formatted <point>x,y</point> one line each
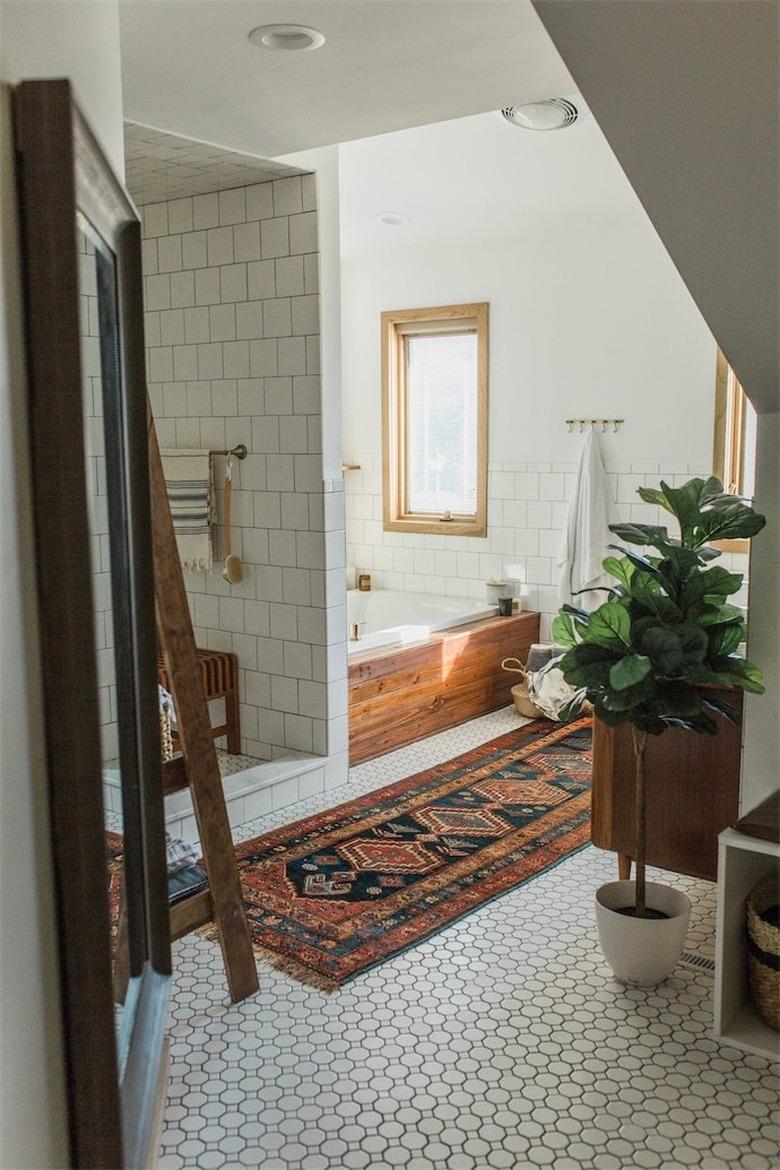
<point>665,628</point>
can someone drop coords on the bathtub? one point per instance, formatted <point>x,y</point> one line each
<point>389,617</point>
<point>426,663</point>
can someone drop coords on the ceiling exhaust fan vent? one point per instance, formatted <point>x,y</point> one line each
<point>551,114</point>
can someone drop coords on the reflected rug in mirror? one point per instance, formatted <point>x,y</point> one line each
<point>335,894</point>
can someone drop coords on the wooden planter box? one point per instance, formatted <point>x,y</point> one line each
<point>692,792</point>
<point>402,694</point>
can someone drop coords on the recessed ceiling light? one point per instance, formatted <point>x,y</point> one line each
<point>295,38</point>
<point>553,114</point>
<point>393,218</point>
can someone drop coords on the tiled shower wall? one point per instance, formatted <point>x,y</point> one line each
<point>97,500</point>
<point>527,508</point>
<point>233,350</point>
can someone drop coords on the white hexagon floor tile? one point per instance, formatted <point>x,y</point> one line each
<point>501,1042</point>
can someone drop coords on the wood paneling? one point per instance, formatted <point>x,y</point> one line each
<point>692,792</point>
<point>402,694</point>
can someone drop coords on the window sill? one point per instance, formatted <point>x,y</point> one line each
<point>431,524</point>
<point>732,546</point>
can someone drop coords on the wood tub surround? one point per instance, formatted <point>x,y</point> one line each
<point>692,793</point>
<point>404,693</point>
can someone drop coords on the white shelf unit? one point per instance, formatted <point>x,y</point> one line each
<point>742,862</point>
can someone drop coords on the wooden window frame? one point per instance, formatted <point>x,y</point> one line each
<point>396,325</point>
<point>728,452</point>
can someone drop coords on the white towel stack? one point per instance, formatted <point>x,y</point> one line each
<point>190,484</point>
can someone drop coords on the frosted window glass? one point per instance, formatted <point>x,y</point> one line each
<point>441,386</point>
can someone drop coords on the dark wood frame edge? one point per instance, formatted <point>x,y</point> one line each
<point>57,153</point>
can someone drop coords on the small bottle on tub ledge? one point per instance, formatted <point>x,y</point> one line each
<point>500,593</point>
<point>364,582</point>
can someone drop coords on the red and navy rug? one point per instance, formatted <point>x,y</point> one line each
<point>339,892</point>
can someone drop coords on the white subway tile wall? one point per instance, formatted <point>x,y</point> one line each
<point>97,501</point>
<point>527,508</point>
<point>233,352</point>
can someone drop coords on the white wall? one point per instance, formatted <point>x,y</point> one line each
<point>78,39</point>
<point>36,39</point>
<point>588,317</point>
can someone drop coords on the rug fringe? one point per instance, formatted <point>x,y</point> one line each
<point>283,963</point>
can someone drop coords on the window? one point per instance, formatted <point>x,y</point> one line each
<point>434,388</point>
<point>735,439</point>
<point>735,418</point>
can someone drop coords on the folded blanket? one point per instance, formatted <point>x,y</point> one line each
<point>179,854</point>
<point>189,481</point>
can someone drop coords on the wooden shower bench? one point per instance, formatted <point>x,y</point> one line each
<point>219,672</point>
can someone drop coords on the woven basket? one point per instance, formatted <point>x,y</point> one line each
<point>764,950</point>
<point>523,704</point>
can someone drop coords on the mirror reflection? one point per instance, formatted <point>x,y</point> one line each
<point>103,442</point>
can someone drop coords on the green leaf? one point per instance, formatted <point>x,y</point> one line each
<point>563,630</point>
<point>724,640</point>
<point>653,496</point>
<point>663,648</point>
<point>735,521</point>
<point>693,642</point>
<point>719,615</point>
<point>701,723</point>
<point>587,665</point>
<point>629,671</point>
<point>638,561</point>
<point>611,718</point>
<point>620,568</point>
<point>656,604</point>
<point>717,582</point>
<point>705,512</point>
<point>677,699</point>
<point>630,698</point>
<point>571,709</point>
<point>741,672</point>
<point>580,614</point>
<point>641,534</point>
<point>652,724</point>
<point>682,502</point>
<point>723,708</point>
<point>609,626</point>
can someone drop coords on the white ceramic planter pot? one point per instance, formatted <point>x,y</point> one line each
<point>642,952</point>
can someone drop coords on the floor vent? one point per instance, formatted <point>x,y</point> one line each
<point>700,962</point>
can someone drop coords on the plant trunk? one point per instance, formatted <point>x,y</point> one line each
<point>640,820</point>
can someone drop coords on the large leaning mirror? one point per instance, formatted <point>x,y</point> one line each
<point>88,433</point>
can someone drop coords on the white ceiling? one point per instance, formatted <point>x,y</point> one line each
<point>386,65</point>
<point>160,166</point>
<point>478,179</point>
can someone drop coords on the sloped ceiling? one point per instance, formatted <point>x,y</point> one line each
<point>687,93</point>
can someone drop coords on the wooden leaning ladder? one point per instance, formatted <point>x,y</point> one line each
<point>196,768</point>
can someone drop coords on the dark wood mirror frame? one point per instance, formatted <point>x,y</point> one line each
<point>63,174</point>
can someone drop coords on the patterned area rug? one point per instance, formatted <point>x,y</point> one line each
<point>339,892</point>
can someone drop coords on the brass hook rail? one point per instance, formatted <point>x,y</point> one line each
<point>602,422</point>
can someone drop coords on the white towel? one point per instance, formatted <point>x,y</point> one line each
<point>189,482</point>
<point>586,535</point>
